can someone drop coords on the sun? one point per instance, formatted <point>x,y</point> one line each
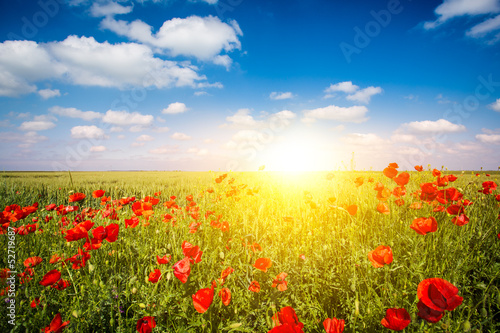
<point>296,155</point>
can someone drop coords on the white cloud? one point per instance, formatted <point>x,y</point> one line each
<point>360,139</point>
<point>174,108</point>
<point>485,27</point>
<point>48,93</point>
<point>280,95</point>
<point>201,37</point>
<point>432,127</point>
<point>201,93</point>
<point>124,118</point>
<point>88,132</point>
<point>398,137</point>
<point>180,136</point>
<point>353,114</point>
<point>196,151</point>
<point>242,118</point>
<point>489,138</point>
<point>116,129</point>
<point>346,87</point>
<point>75,113</point>
<point>36,125</point>
<point>364,95</point>
<point>223,60</point>
<point>495,106</point>
<point>109,9</point>
<point>144,138</point>
<point>25,140</point>
<point>97,148</point>
<point>121,136</point>
<point>338,128</point>
<point>84,61</point>
<point>137,144</point>
<point>455,8</point>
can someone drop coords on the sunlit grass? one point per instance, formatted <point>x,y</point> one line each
<point>288,214</point>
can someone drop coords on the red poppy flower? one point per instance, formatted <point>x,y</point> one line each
<point>75,197</point>
<point>429,191</point>
<point>80,259</point>
<point>452,178</point>
<point>163,260</point>
<point>145,324</point>
<point>34,303</point>
<point>182,269</point>
<point>390,172</point>
<point>263,264</point>
<point>488,187</point>
<point>396,319</point>
<point>132,222</point>
<point>61,284</point>
<point>384,194</point>
<point>380,256</point>
<point>254,286</point>
<point>98,193</point>
<point>112,232</point>
<point>193,252</point>
<point>402,179</point>
<point>455,209</point>
<point>154,276</point>
<point>419,168</point>
<point>224,274</point>
<point>460,220</point>
<point>99,233</point>
<point>399,202</point>
<point>383,208</point>
<point>32,261</point>
<point>280,281</point>
<point>203,298</point>
<point>50,277</point>
<point>359,181</point>
<point>497,197</point>
<point>424,225</point>
<point>288,321</point>
<point>333,325</point>
<point>225,296</point>
<point>436,173</point>
<point>56,325</point>
<point>438,294</point>
<point>352,209</point>
<point>50,207</point>
<point>431,315</point>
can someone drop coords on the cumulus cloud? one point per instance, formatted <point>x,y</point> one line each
<point>49,93</point>
<point>280,95</point>
<point>364,95</point>
<point>203,38</point>
<point>495,106</point>
<point>484,27</point>
<point>432,127</point>
<point>346,87</point>
<point>455,8</point>
<point>124,118</point>
<point>25,140</point>
<point>88,132</point>
<point>40,124</point>
<point>108,9</point>
<point>75,113</point>
<point>242,118</point>
<point>84,61</point>
<point>489,138</point>
<point>174,108</point>
<point>145,138</point>
<point>180,136</point>
<point>353,114</point>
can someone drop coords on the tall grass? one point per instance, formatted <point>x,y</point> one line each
<point>335,279</point>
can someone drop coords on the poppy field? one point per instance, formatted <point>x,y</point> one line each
<point>411,251</point>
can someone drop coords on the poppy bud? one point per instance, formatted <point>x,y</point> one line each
<point>484,313</point>
<point>142,305</point>
<point>356,306</point>
<point>75,313</point>
<point>134,290</point>
<point>466,326</point>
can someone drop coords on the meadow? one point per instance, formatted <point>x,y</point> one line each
<point>250,251</point>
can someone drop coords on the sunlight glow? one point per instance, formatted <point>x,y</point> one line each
<point>296,155</point>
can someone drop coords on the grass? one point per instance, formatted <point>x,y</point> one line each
<point>336,279</point>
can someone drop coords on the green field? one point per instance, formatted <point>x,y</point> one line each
<point>302,222</point>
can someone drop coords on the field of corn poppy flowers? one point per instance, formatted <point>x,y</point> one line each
<point>415,251</point>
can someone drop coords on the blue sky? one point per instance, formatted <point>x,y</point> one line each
<point>236,84</point>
